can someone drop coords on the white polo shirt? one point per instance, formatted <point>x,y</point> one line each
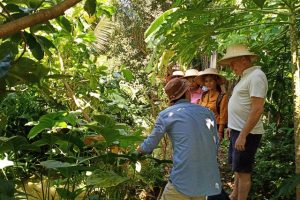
<point>253,83</point>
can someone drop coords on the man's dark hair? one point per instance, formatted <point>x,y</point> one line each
<point>182,97</point>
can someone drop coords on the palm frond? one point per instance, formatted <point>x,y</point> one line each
<point>103,32</point>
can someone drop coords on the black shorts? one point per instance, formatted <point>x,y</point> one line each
<point>242,161</point>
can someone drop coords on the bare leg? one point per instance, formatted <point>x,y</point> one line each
<point>234,193</point>
<point>244,185</point>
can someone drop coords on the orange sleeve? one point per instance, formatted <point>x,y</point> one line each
<point>224,110</point>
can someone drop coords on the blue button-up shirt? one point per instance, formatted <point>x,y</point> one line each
<point>193,132</point>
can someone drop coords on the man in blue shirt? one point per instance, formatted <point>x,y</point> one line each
<point>193,133</point>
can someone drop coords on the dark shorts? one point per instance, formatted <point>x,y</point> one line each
<point>242,161</point>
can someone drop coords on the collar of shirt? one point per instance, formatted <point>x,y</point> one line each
<point>249,70</point>
<point>199,90</point>
<point>182,101</point>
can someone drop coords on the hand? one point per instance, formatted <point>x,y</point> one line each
<point>240,143</point>
<point>220,135</point>
<point>228,132</point>
<point>135,155</point>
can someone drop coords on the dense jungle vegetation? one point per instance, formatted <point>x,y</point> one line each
<point>81,83</point>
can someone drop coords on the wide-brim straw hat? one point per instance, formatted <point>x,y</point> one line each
<point>176,88</point>
<point>177,73</point>
<point>234,51</point>
<point>210,71</point>
<point>191,73</point>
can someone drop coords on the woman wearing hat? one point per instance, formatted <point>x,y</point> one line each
<point>196,90</point>
<point>214,98</point>
<point>175,74</point>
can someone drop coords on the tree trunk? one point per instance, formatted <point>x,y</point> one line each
<point>36,18</point>
<point>296,79</point>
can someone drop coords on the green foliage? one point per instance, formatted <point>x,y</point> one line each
<point>25,70</point>
<point>34,46</point>
<point>105,179</point>
<point>52,164</point>
<point>7,190</point>
<point>65,24</point>
<point>54,69</point>
<point>128,75</point>
<point>288,187</point>
<point>194,26</point>
<point>157,22</point>
<point>260,3</point>
<point>52,120</point>
<point>274,166</point>
<point>90,6</point>
<point>4,65</point>
<point>66,194</point>
<point>110,80</point>
<point>199,27</point>
<point>14,143</point>
<point>8,48</point>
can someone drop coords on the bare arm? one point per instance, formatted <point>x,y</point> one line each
<point>257,108</point>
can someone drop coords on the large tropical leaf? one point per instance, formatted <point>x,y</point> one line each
<point>34,46</point>
<point>105,120</point>
<point>45,43</point>
<point>48,121</point>
<point>13,143</point>
<point>73,139</point>
<point>154,26</point>
<point>90,6</point>
<point>64,23</point>
<point>65,168</point>
<point>53,164</point>
<point>105,179</point>
<point>47,139</point>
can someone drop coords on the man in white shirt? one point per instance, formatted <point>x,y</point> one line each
<point>245,109</point>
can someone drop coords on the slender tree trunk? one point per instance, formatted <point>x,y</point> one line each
<point>296,79</point>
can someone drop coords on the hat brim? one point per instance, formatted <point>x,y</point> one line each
<point>227,59</point>
<point>200,79</point>
<point>189,76</point>
<point>177,76</point>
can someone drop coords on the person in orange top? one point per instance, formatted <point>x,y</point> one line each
<point>214,98</point>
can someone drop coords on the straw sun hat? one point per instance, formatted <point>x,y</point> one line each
<point>210,71</point>
<point>178,73</point>
<point>236,50</point>
<point>176,88</point>
<point>191,73</point>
